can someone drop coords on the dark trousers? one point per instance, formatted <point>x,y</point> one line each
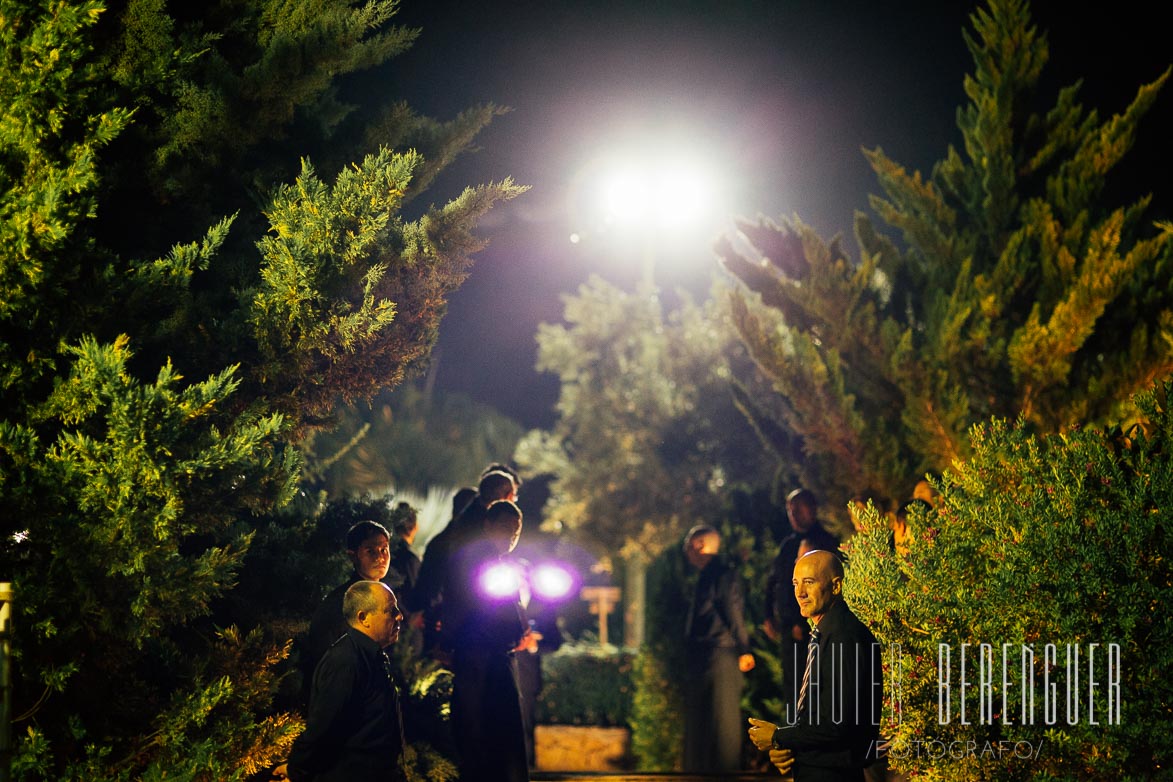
<point>486,718</point>
<point>529,684</point>
<point>713,728</point>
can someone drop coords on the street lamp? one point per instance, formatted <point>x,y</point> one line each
<point>659,194</point>
<point>662,194</point>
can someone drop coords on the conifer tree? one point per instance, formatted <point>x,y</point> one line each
<point>203,246</point>
<point>1013,289</point>
<point>1001,340</point>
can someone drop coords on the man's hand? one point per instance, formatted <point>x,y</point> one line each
<point>782,759</point>
<point>761,733</point>
<point>281,772</point>
<point>745,663</point>
<point>529,642</point>
<point>798,632</point>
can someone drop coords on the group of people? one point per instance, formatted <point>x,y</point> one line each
<point>831,672</point>
<point>354,726</point>
<point>832,679</point>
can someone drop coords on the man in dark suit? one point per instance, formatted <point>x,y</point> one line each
<point>428,595</point>
<point>833,733</point>
<point>353,732</point>
<point>484,622</point>
<point>717,657</point>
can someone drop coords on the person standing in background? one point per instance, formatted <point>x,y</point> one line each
<point>718,657</point>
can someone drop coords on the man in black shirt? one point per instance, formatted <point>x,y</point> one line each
<point>353,731</point>
<point>784,622</point>
<point>405,565</point>
<point>428,595</point>
<point>484,622</point>
<point>717,656</point>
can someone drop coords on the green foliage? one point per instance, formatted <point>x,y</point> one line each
<point>410,439</point>
<point>198,735</point>
<point>330,321</point>
<point>657,735</point>
<point>1017,291</point>
<point>1015,294</point>
<point>583,685</point>
<point>183,296</point>
<point>423,762</point>
<point>48,167</point>
<point>1036,540</point>
<point>657,730</point>
<point>148,466</point>
<point>648,440</point>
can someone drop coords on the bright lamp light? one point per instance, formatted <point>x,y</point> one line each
<point>500,579</point>
<point>668,191</point>
<point>551,581</point>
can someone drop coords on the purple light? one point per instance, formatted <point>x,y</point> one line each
<point>501,580</point>
<point>551,581</point>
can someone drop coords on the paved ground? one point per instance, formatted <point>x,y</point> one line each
<point>631,776</point>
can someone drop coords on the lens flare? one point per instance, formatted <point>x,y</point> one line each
<point>551,581</point>
<point>501,579</point>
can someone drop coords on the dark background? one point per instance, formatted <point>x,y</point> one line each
<point>781,96</point>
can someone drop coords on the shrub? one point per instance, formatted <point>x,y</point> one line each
<point>585,685</point>
<point>656,729</point>
<point>1057,540</point>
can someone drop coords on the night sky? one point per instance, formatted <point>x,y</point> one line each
<point>778,97</point>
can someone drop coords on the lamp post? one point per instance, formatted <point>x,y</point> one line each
<point>651,198</point>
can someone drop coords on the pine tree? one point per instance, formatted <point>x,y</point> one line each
<point>1015,289</point>
<point>204,246</point>
<point>1002,342</point>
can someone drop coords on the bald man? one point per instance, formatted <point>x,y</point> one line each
<point>353,731</point>
<point>832,735</point>
<point>784,623</point>
<point>717,657</point>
